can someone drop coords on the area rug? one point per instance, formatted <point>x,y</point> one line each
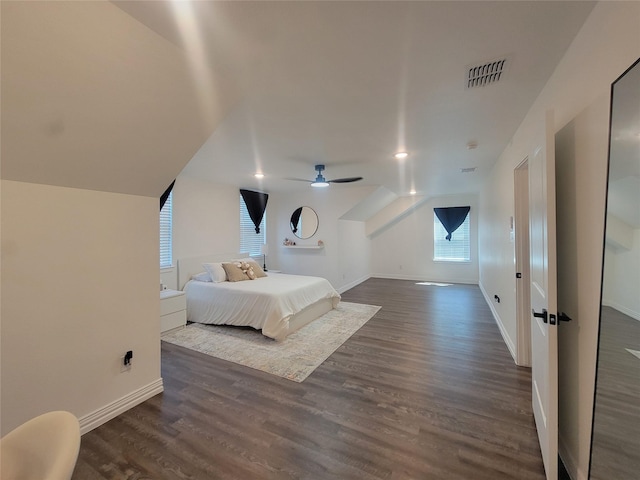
<point>295,358</point>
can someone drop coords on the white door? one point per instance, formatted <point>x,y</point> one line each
<point>544,331</point>
<point>523,282</point>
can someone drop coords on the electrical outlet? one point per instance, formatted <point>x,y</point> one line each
<point>123,367</point>
<point>126,361</point>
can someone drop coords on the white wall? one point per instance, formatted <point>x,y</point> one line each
<point>497,265</point>
<point>206,219</point>
<point>79,289</point>
<point>608,43</point>
<point>354,256</point>
<point>404,249</point>
<point>344,260</point>
<point>622,278</point>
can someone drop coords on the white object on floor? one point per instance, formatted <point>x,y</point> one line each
<point>44,448</point>
<point>635,353</point>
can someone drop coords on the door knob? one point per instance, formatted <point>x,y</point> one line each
<point>542,315</point>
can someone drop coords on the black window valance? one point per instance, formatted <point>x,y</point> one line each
<point>451,218</point>
<point>256,203</point>
<point>165,195</point>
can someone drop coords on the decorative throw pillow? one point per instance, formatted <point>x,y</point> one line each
<point>216,272</point>
<point>257,269</point>
<point>234,272</point>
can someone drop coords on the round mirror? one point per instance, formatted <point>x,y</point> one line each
<point>304,222</point>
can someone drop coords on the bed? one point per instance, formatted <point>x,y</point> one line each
<point>278,304</point>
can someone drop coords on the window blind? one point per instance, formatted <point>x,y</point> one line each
<point>166,230</point>
<point>456,250</point>
<point>250,241</point>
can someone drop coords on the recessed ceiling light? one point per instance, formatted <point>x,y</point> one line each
<point>258,175</point>
<point>401,155</point>
<point>412,192</point>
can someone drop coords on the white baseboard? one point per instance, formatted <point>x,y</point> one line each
<point>350,285</point>
<point>627,311</point>
<point>503,331</point>
<point>423,279</point>
<point>569,461</point>
<point>112,410</point>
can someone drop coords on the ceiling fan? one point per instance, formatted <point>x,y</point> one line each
<point>320,181</point>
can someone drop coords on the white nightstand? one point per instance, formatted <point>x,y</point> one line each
<point>173,310</point>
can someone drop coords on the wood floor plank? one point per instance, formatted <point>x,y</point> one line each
<point>425,390</point>
<point>616,425</point>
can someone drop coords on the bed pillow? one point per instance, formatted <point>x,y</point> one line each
<point>234,272</point>
<point>216,272</point>
<point>202,277</point>
<point>257,269</point>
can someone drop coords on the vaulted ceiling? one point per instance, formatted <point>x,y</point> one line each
<point>93,99</point>
<point>122,99</point>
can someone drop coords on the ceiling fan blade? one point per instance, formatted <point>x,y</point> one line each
<point>299,179</point>
<point>345,180</point>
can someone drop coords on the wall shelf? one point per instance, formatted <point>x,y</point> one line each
<point>308,247</point>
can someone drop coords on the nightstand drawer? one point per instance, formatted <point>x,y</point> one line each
<point>172,302</point>
<point>173,320</point>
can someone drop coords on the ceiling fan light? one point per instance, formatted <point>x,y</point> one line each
<point>320,181</point>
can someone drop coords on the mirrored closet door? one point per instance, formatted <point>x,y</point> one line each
<point>615,450</point>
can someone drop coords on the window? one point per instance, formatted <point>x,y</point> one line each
<point>250,241</point>
<point>456,250</point>
<point>166,220</point>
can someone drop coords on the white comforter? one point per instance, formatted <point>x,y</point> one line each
<point>264,303</point>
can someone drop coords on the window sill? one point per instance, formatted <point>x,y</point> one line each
<point>451,261</point>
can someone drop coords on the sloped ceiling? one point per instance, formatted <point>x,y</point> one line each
<point>93,99</point>
<point>348,83</point>
<point>120,96</point>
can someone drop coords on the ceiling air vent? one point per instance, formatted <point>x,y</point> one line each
<point>468,170</point>
<point>487,73</point>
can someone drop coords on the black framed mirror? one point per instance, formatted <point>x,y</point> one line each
<point>304,222</point>
<point>615,441</point>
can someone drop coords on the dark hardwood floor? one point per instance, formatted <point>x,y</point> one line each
<point>616,426</point>
<point>425,390</point>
